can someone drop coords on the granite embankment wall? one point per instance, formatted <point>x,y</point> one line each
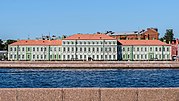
<point>89,94</point>
<point>90,64</point>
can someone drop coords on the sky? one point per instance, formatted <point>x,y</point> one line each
<point>23,19</point>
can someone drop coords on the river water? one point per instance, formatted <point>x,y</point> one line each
<point>67,78</point>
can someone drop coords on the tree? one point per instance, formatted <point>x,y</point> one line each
<point>1,45</point>
<point>169,36</point>
<point>7,43</point>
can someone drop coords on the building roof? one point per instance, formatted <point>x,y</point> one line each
<point>143,42</point>
<point>89,37</point>
<point>37,43</point>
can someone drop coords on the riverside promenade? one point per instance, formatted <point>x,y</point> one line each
<point>91,64</point>
<point>89,94</point>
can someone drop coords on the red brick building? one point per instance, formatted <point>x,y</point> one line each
<point>150,34</point>
<point>174,51</point>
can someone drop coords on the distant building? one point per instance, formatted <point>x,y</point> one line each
<point>144,50</point>
<point>33,50</point>
<point>149,34</point>
<point>89,47</point>
<point>86,47</point>
<point>174,51</point>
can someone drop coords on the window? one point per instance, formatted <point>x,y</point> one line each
<point>89,49</point>
<point>80,56</point>
<point>11,56</point>
<point>145,49</point>
<point>22,56</point>
<point>93,49</point>
<point>80,42</point>
<point>137,56</point>
<point>59,49</point>
<point>72,49</point>
<point>37,48</point>
<point>68,49</point>
<point>33,49</point>
<point>45,49</point>
<point>110,57</point>
<point>85,43</point>
<point>145,56</point>
<point>97,43</point>
<point>163,48</point>
<point>138,49</point>
<point>64,49</point>
<point>123,56</point>
<point>160,49</point>
<point>19,56</point>
<point>106,49</point>
<point>68,56</point>
<point>109,42</point>
<point>114,42</point>
<point>33,56</point>
<point>68,42</point>
<point>41,48</point>
<point>45,56</point>
<point>14,56</point>
<point>37,56</point>
<point>63,42</point>
<point>167,49</point>
<point>15,49</point>
<point>114,56</point>
<point>141,56</point>
<point>134,56</point>
<point>150,48</point>
<point>97,49</point>
<point>63,56</point>
<point>89,43</point>
<point>85,49</point>
<point>128,49</point>
<point>97,57</point>
<point>72,42</point>
<point>28,56</point>
<point>101,56</point>
<point>156,49</point>
<point>84,56</point>
<point>128,56</point>
<point>101,49</point>
<point>50,48</point>
<point>106,56</point>
<point>51,56</point>
<point>114,49</point>
<point>93,57</point>
<point>80,49</point>
<point>55,56</point>
<point>141,49</point>
<point>109,49</point>
<point>28,49</point>
<point>11,49</point>
<point>59,56</point>
<point>41,56</point>
<point>55,49</point>
<point>93,43</point>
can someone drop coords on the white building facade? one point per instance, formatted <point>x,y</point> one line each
<point>89,47</point>
<point>142,50</point>
<point>27,50</point>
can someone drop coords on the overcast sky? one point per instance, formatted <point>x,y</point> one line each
<point>20,19</point>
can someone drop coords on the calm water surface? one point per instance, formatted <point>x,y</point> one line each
<point>60,78</point>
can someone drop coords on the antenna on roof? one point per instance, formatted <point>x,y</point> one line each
<point>28,37</point>
<point>49,35</point>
